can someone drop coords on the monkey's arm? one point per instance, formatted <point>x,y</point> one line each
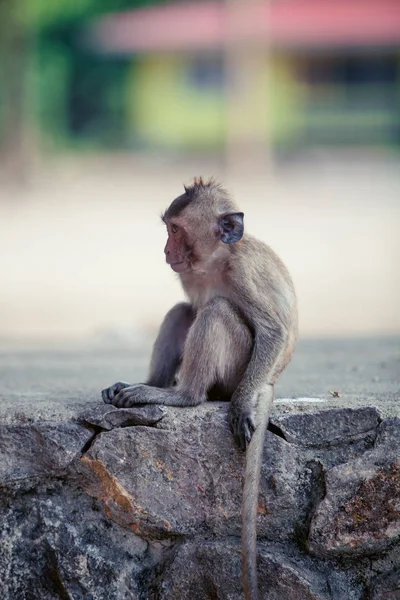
<point>268,344</point>
<point>130,395</point>
<point>216,351</point>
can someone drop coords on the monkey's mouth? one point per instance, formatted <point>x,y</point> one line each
<point>179,267</point>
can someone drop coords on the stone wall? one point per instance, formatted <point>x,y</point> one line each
<point>145,504</point>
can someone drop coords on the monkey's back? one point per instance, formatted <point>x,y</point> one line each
<point>267,291</point>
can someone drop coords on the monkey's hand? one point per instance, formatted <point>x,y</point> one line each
<point>125,396</point>
<point>242,423</point>
<point>109,393</point>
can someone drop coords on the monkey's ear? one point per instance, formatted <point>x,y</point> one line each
<point>231,227</point>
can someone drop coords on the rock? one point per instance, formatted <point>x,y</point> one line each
<point>386,586</point>
<point>296,459</point>
<point>386,447</point>
<point>173,482</point>
<point>106,416</point>
<point>193,574</point>
<point>328,428</point>
<point>54,543</point>
<point>100,509</point>
<point>39,449</point>
<point>360,513</point>
<point>159,481</point>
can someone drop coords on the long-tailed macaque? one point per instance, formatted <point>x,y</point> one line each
<point>232,340</point>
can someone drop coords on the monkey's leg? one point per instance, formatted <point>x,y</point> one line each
<point>167,351</point>
<point>217,349</point>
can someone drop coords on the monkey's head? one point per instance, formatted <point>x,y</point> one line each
<point>200,223</point>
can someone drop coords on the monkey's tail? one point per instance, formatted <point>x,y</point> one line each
<point>250,495</point>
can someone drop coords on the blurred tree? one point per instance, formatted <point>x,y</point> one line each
<point>15,51</point>
<point>247,66</point>
<point>38,58</point>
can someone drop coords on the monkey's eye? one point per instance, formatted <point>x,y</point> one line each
<point>174,228</point>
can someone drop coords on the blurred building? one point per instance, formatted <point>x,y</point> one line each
<point>155,77</point>
<point>335,70</point>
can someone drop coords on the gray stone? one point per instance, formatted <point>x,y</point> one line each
<point>212,570</point>
<point>386,446</point>
<point>107,416</point>
<point>56,544</point>
<point>360,513</point>
<point>321,429</point>
<point>386,586</point>
<point>173,481</point>
<point>39,449</point>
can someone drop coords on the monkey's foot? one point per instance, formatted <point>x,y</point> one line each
<point>242,424</point>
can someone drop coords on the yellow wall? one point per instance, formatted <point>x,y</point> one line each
<point>287,100</point>
<point>166,110</point>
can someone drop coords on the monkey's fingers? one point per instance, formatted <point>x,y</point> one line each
<point>128,396</point>
<point>242,427</point>
<point>246,433</point>
<point>109,393</point>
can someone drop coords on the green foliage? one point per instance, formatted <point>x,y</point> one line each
<point>42,13</point>
<point>45,13</point>
<point>70,80</point>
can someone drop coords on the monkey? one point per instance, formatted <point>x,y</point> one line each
<point>231,340</point>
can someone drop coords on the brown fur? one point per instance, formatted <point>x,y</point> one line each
<point>236,334</point>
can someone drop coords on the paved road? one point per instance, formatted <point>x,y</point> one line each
<point>58,382</point>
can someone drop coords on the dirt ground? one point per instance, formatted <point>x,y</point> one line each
<point>81,246</point>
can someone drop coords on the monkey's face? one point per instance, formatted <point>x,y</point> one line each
<point>200,223</point>
<point>179,248</point>
<point>198,240</point>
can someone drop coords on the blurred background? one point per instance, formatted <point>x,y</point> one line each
<point>108,106</point>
